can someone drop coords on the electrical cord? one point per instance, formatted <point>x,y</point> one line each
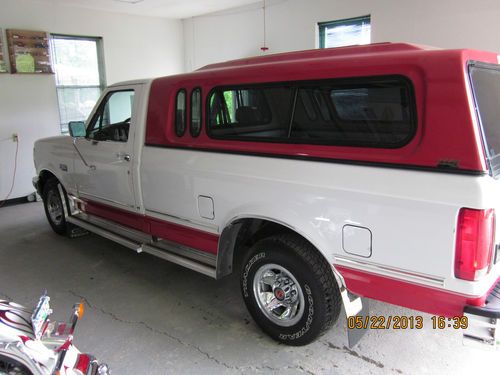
<point>2,202</point>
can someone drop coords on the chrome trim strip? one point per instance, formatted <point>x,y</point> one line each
<point>105,233</point>
<point>388,271</point>
<point>142,237</point>
<point>109,202</point>
<point>121,230</point>
<point>201,268</point>
<point>73,204</point>
<point>63,200</point>
<point>185,256</point>
<point>211,228</point>
<point>186,252</point>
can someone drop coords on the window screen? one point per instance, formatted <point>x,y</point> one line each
<point>180,113</point>
<point>371,112</point>
<point>346,32</point>
<point>79,68</point>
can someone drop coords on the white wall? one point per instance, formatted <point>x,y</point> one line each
<point>134,47</point>
<point>291,25</point>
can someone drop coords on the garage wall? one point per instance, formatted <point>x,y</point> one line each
<point>291,25</point>
<point>134,47</point>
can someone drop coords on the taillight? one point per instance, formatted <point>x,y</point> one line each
<point>475,239</point>
<point>83,363</point>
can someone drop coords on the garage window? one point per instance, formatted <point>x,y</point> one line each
<point>79,69</point>
<point>346,32</point>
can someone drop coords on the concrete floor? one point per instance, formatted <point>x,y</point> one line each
<point>147,316</point>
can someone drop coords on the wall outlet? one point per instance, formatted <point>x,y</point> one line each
<point>15,137</point>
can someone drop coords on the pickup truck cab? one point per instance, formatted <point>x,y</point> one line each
<point>321,177</point>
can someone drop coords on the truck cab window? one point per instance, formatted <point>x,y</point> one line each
<point>112,120</point>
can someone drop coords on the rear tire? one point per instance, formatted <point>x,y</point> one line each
<point>54,209</point>
<point>289,289</point>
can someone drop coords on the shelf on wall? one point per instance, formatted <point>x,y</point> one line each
<point>29,52</point>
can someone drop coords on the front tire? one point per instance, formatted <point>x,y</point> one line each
<point>53,205</point>
<point>289,289</point>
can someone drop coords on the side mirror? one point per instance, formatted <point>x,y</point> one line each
<point>77,129</point>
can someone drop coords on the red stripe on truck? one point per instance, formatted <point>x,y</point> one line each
<point>123,217</point>
<point>190,237</point>
<point>410,295</point>
<point>187,236</point>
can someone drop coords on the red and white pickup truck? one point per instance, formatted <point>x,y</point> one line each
<point>320,176</point>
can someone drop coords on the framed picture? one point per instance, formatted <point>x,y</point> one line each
<point>29,52</point>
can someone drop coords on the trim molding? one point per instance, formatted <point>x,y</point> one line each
<point>438,169</point>
<point>387,271</point>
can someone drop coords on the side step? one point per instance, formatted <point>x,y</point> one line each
<point>147,248</point>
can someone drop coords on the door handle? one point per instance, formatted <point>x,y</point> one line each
<point>123,156</point>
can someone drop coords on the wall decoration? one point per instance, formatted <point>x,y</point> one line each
<point>3,63</point>
<point>29,51</point>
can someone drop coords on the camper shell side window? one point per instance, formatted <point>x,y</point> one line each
<point>368,112</point>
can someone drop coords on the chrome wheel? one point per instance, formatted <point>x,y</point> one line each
<point>278,294</point>
<point>54,207</point>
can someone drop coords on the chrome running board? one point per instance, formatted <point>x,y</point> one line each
<point>184,256</point>
<point>104,233</point>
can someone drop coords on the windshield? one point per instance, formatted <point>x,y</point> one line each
<point>486,86</point>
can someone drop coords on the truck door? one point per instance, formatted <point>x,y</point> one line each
<point>104,167</point>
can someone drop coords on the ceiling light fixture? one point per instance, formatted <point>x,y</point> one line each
<point>130,1</point>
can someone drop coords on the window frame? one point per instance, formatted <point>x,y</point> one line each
<point>177,133</point>
<point>354,81</point>
<point>100,66</point>
<point>99,111</point>
<point>191,129</point>
<point>322,26</point>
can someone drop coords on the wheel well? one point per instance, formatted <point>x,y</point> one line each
<point>43,178</point>
<point>238,237</point>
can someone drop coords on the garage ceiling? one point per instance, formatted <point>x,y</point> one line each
<point>157,8</point>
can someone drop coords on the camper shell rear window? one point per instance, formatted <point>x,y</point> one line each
<point>367,112</point>
<point>485,80</point>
